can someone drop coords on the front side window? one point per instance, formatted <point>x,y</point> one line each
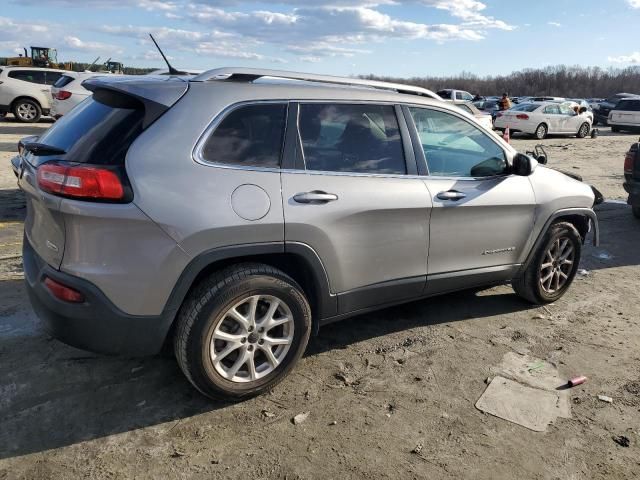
<point>456,148</point>
<point>31,76</point>
<point>250,136</point>
<point>351,138</point>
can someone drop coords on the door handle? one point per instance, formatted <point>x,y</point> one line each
<point>451,195</point>
<point>315,197</point>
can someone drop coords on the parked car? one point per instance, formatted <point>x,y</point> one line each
<point>26,91</point>
<point>492,107</point>
<point>594,101</point>
<point>482,118</point>
<point>232,217</point>
<point>544,118</point>
<point>455,95</point>
<point>68,92</point>
<point>547,99</point>
<point>632,177</point>
<point>603,109</point>
<point>582,105</point>
<point>625,115</point>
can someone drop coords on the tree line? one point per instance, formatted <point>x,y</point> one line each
<point>559,80</point>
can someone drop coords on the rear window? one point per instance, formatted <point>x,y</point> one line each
<point>525,107</point>
<point>97,131</point>
<point>629,105</point>
<point>62,81</point>
<point>445,94</point>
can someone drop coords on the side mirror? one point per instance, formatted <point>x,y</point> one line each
<point>523,165</point>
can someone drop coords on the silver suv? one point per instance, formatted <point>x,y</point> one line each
<point>232,214</point>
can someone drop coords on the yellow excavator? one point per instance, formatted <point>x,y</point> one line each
<point>40,57</point>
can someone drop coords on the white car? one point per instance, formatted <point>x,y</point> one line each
<point>544,118</point>
<point>68,91</point>
<point>625,115</point>
<point>26,91</point>
<point>449,94</point>
<point>483,119</point>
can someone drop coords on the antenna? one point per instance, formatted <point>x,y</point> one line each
<point>172,71</point>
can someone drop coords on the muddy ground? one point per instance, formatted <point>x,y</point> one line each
<point>376,386</point>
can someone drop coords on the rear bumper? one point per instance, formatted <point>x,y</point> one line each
<point>633,189</point>
<point>95,325</point>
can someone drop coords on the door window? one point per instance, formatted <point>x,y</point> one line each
<point>249,136</point>
<point>351,138</point>
<point>456,148</point>
<point>566,110</point>
<point>31,76</point>
<point>552,109</point>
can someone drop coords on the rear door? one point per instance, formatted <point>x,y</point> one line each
<point>482,216</point>
<point>357,201</point>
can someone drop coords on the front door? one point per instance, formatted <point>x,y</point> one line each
<point>357,204</point>
<point>482,216</point>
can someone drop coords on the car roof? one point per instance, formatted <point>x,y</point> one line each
<point>16,67</point>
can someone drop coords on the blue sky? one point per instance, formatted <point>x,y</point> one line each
<point>346,37</point>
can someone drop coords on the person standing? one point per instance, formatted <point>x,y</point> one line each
<point>505,102</point>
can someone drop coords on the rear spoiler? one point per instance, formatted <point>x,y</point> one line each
<point>156,94</point>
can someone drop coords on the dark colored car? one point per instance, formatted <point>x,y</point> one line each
<point>488,106</point>
<point>601,114</point>
<point>632,177</point>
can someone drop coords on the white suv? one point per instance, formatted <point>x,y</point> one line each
<point>26,91</point>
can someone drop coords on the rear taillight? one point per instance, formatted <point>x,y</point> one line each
<point>628,162</point>
<point>62,95</point>
<point>79,181</point>
<point>522,116</point>
<point>62,292</point>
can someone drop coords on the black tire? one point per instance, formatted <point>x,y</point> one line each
<point>529,286</point>
<point>205,309</point>
<point>541,131</point>
<point>615,129</point>
<point>583,131</point>
<point>26,110</point>
<point>636,211</point>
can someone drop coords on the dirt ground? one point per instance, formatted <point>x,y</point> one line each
<point>375,386</point>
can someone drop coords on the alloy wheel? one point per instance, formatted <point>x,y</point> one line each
<point>27,111</point>
<point>252,338</point>
<point>556,265</point>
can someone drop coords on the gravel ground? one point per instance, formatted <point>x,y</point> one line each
<point>390,394</point>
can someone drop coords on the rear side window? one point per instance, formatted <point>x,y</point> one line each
<point>249,136</point>
<point>97,131</point>
<point>31,76</point>
<point>445,94</point>
<point>351,138</point>
<point>552,109</point>
<point>52,77</point>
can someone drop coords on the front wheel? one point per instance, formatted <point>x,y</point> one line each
<point>241,331</point>
<point>583,131</point>
<point>553,267</point>
<point>541,131</point>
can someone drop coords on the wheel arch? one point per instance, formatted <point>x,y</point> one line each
<point>297,260</point>
<point>25,97</point>
<point>584,219</point>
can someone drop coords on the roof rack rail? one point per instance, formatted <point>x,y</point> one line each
<point>251,74</point>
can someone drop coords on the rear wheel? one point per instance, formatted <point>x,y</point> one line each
<point>583,131</point>
<point>241,331</point>
<point>636,211</point>
<point>541,131</point>
<point>27,111</point>
<point>553,267</point>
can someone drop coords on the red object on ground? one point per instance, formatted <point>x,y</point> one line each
<point>505,135</point>
<point>577,381</point>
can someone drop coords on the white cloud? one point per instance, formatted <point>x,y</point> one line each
<point>632,58</point>
<point>554,24</point>
<point>74,43</point>
<point>634,3</point>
